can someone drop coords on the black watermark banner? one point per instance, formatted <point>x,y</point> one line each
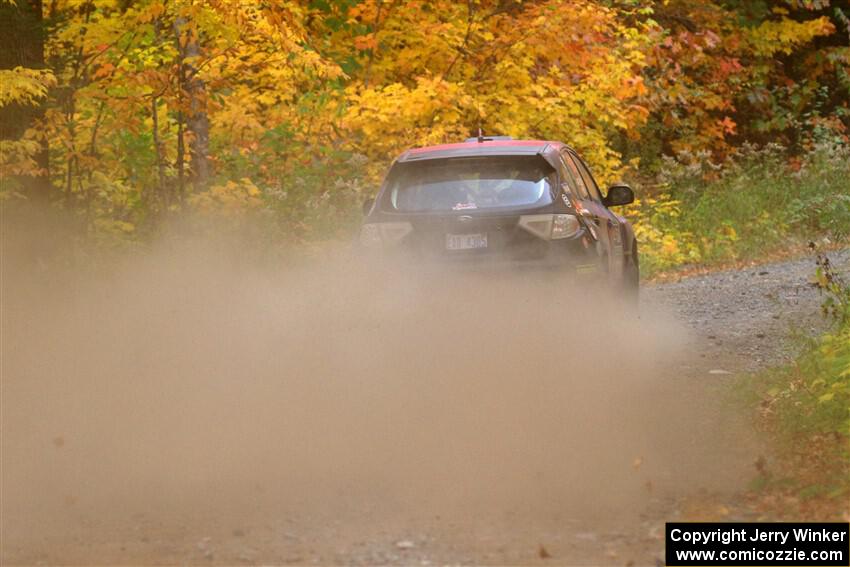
<point>764,544</point>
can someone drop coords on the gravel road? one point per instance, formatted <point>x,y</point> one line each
<point>746,317</point>
<point>148,477</point>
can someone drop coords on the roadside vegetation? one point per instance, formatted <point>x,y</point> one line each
<point>805,408</point>
<point>283,115</point>
<point>756,203</point>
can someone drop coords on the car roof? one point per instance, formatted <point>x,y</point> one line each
<point>498,146</point>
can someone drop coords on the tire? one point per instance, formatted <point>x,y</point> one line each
<point>631,277</point>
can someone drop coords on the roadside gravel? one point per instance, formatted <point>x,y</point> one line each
<point>747,318</point>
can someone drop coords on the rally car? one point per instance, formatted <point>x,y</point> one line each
<point>500,201</point>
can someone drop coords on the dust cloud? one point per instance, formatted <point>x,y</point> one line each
<point>189,394</point>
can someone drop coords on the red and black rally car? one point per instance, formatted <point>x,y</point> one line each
<point>502,201</point>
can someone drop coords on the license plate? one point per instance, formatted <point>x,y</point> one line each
<point>466,241</point>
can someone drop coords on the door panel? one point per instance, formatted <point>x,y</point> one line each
<point>592,210</point>
<point>607,219</point>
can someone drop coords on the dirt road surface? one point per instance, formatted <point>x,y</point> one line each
<point>178,414</point>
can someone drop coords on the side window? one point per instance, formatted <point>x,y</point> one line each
<point>552,178</point>
<point>577,181</point>
<point>588,179</point>
<point>567,179</point>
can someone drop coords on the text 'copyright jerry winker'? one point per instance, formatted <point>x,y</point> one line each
<point>704,543</point>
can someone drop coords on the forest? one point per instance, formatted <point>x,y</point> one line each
<point>285,114</point>
<point>196,370</point>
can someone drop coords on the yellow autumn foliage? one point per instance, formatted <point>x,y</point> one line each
<point>232,198</point>
<point>785,35</point>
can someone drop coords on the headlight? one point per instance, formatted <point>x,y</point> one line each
<point>550,227</point>
<point>378,234</point>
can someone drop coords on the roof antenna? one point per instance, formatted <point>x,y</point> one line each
<point>480,131</point>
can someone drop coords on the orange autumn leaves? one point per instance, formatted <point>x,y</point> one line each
<point>304,97</point>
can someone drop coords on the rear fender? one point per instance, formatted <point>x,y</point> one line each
<point>627,233</point>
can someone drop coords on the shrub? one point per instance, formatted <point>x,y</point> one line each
<point>757,201</point>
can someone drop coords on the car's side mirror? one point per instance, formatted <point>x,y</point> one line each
<point>619,195</point>
<point>367,205</point>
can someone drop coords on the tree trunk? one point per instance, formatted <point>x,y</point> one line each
<point>181,161</point>
<point>164,199</point>
<point>22,45</point>
<point>197,121</point>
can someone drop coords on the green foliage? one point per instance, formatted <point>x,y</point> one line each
<point>836,305</point>
<point>757,201</point>
<point>813,395</point>
<point>805,407</point>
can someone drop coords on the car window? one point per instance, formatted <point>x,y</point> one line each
<point>588,179</point>
<point>577,181</point>
<point>567,179</point>
<point>460,184</point>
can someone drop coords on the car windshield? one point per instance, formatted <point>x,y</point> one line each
<point>467,184</point>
